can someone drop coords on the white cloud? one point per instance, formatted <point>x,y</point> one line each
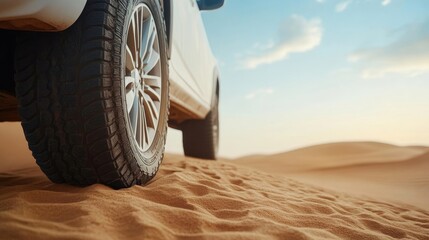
<point>385,2</point>
<point>408,55</point>
<point>296,34</point>
<point>342,6</point>
<point>320,1</point>
<point>259,93</point>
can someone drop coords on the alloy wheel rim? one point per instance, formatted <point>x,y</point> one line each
<point>143,77</point>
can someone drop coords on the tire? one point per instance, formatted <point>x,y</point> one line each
<point>73,99</point>
<point>201,137</point>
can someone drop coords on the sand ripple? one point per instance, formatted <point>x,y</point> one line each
<point>198,199</point>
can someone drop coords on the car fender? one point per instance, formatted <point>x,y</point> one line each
<point>39,15</point>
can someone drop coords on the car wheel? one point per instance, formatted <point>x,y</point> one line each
<point>201,137</point>
<point>93,99</point>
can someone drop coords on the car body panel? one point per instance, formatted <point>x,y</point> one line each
<point>192,64</point>
<point>39,15</point>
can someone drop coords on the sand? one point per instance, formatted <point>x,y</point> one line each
<point>376,170</point>
<point>196,199</point>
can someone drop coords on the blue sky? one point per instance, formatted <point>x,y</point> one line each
<point>297,73</point>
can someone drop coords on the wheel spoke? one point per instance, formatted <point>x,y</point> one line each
<point>154,109</point>
<point>151,110</point>
<point>151,35</point>
<point>148,34</point>
<point>134,112</point>
<point>137,44</point>
<point>138,31</point>
<point>129,91</point>
<point>130,97</point>
<point>139,133</point>
<point>153,81</point>
<point>134,40</point>
<point>138,128</point>
<point>129,82</point>
<point>140,17</point>
<point>130,63</point>
<point>152,93</point>
<point>151,62</point>
<point>145,131</point>
<point>149,58</point>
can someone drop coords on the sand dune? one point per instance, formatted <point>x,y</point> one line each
<point>194,199</point>
<point>379,171</point>
<point>332,155</point>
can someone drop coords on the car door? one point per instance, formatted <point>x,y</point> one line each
<point>189,57</point>
<point>206,60</point>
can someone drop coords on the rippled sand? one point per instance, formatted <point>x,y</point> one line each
<point>197,199</point>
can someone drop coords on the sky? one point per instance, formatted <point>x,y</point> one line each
<point>299,73</point>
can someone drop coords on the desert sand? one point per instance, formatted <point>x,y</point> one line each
<point>381,171</point>
<point>260,197</point>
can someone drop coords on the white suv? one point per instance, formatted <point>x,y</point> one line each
<point>97,82</point>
